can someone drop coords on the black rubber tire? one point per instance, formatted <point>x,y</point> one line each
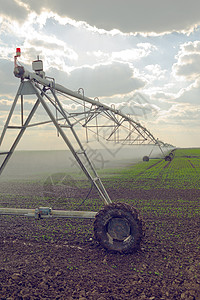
<point>146,158</point>
<point>118,228</point>
<point>168,158</point>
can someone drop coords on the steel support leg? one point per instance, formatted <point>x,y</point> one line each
<point>95,181</point>
<point>14,145</point>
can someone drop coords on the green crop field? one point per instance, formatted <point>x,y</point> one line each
<point>183,172</point>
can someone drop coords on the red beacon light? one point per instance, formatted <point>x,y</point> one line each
<point>18,52</point>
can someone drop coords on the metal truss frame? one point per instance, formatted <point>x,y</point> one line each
<point>92,115</point>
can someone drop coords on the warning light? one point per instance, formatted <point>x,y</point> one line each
<point>18,52</point>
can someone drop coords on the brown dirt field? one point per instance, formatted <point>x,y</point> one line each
<point>59,258</point>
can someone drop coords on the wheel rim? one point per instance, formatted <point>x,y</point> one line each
<point>118,229</point>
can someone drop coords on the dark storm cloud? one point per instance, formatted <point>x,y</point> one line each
<point>126,16</point>
<point>13,10</point>
<point>101,80</point>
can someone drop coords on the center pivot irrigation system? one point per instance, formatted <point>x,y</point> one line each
<point>117,226</point>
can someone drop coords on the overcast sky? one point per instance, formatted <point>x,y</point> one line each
<point>118,51</point>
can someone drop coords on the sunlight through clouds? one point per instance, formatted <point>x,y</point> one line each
<point>141,51</point>
<point>148,47</point>
<point>188,61</point>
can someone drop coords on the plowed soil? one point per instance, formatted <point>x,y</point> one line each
<point>59,258</point>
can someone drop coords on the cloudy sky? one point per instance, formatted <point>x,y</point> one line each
<point>126,53</point>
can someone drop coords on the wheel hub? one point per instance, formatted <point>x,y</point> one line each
<point>118,228</point>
